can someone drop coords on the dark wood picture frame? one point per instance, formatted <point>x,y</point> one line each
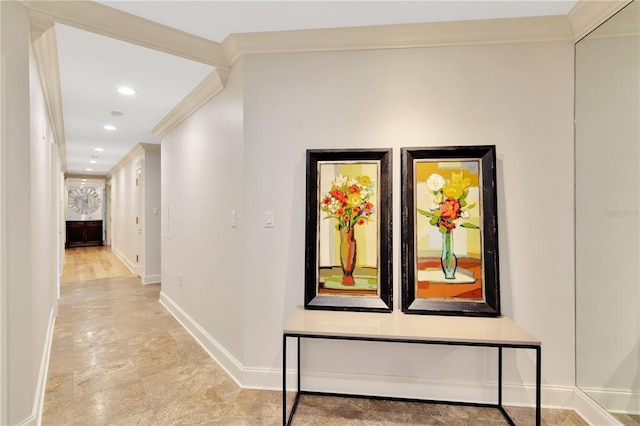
<point>348,256</point>
<point>450,193</point>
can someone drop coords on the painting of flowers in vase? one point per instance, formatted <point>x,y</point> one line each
<point>449,231</point>
<point>449,256</point>
<point>350,270</point>
<point>348,228</point>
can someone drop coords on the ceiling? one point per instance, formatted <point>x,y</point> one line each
<point>92,66</point>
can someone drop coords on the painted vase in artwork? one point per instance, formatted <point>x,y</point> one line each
<point>348,246</point>
<point>448,260</point>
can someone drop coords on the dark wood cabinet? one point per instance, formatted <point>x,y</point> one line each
<point>84,233</point>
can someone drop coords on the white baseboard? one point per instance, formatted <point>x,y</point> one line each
<point>592,412</point>
<point>615,401</point>
<point>151,279</point>
<point>392,386</point>
<point>227,361</point>
<point>130,265</point>
<point>38,402</point>
<point>437,390</point>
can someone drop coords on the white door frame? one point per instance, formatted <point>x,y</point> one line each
<point>139,219</point>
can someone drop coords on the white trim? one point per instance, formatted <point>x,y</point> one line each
<point>225,359</point>
<point>402,36</point>
<point>407,387</point>
<point>590,411</point>
<point>615,401</point>
<point>128,157</point>
<point>136,151</point>
<point>114,23</point>
<point>130,266</point>
<point>45,50</point>
<point>29,421</point>
<point>271,379</point>
<point>38,403</point>
<point>586,15</point>
<point>151,279</point>
<point>44,367</point>
<point>213,84</point>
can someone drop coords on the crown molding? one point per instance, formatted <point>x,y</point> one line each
<point>114,23</point>
<point>587,15</point>
<point>137,151</point>
<point>625,24</point>
<point>456,33</point>
<point>151,147</point>
<point>39,26</point>
<point>129,157</point>
<point>213,84</point>
<point>45,51</point>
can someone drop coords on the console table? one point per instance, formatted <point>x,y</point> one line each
<point>397,327</point>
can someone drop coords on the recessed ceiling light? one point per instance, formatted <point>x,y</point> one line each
<point>109,127</point>
<point>99,149</point>
<point>126,90</point>
<point>93,161</point>
<point>89,170</point>
<point>84,180</point>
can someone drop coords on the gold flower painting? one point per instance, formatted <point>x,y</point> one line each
<point>448,237</point>
<point>348,229</point>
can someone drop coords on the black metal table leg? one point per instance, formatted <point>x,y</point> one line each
<point>286,420</point>
<point>284,379</point>
<point>538,384</point>
<point>500,376</point>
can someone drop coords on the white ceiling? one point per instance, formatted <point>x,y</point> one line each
<point>93,66</point>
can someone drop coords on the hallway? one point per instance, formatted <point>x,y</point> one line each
<point>118,357</point>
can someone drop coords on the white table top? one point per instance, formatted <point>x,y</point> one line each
<point>399,326</point>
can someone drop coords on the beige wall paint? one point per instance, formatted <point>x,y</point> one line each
<point>516,96</point>
<point>203,180</point>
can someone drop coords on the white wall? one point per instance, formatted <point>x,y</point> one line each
<point>516,96</point>
<point>44,229</point>
<point>28,226</point>
<point>16,232</point>
<point>124,205</point>
<point>202,183</point>
<point>607,220</point>
<point>124,231</point>
<point>151,221</point>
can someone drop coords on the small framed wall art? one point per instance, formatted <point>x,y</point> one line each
<point>449,231</point>
<point>348,230</point>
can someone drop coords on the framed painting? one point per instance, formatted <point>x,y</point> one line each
<point>449,231</point>
<point>348,230</point>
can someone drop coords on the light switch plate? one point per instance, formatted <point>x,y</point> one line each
<point>268,219</point>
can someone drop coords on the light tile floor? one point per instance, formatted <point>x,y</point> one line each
<point>119,358</point>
